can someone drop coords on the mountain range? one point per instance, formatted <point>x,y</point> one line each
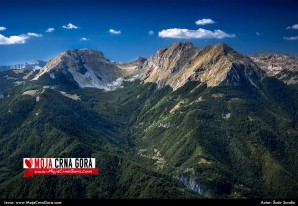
<point>31,65</point>
<point>184,123</point>
<point>283,67</point>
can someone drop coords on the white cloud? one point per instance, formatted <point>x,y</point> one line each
<point>34,34</point>
<point>17,39</point>
<point>70,26</point>
<point>258,34</point>
<point>291,38</point>
<point>112,31</point>
<point>21,39</point>
<point>49,30</point>
<point>177,33</point>
<point>2,28</point>
<point>295,26</point>
<point>151,32</point>
<point>83,39</point>
<point>205,21</point>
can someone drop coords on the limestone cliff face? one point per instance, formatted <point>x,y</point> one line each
<point>89,68</point>
<point>213,65</point>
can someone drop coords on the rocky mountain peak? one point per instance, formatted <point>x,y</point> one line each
<point>89,68</point>
<point>178,48</point>
<point>182,45</point>
<point>223,47</point>
<point>223,50</point>
<point>173,58</point>
<point>140,60</point>
<point>213,65</point>
<point>84,53</point>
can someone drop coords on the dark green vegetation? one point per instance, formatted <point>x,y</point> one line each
<point>223,142</point>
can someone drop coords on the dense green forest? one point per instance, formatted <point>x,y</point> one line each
<point>230,141</point>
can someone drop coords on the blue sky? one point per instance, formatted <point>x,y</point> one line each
<point>124,30</point>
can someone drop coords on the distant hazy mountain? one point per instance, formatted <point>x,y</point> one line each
<point>185,123</point>
<point>32,65</point>
<point>132,70</point>
<point>284,67</point>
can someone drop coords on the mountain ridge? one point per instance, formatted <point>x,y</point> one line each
<point>282,66</point>
<point>194,64</point>
<point>31,65</point>
<point>212,65</point>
